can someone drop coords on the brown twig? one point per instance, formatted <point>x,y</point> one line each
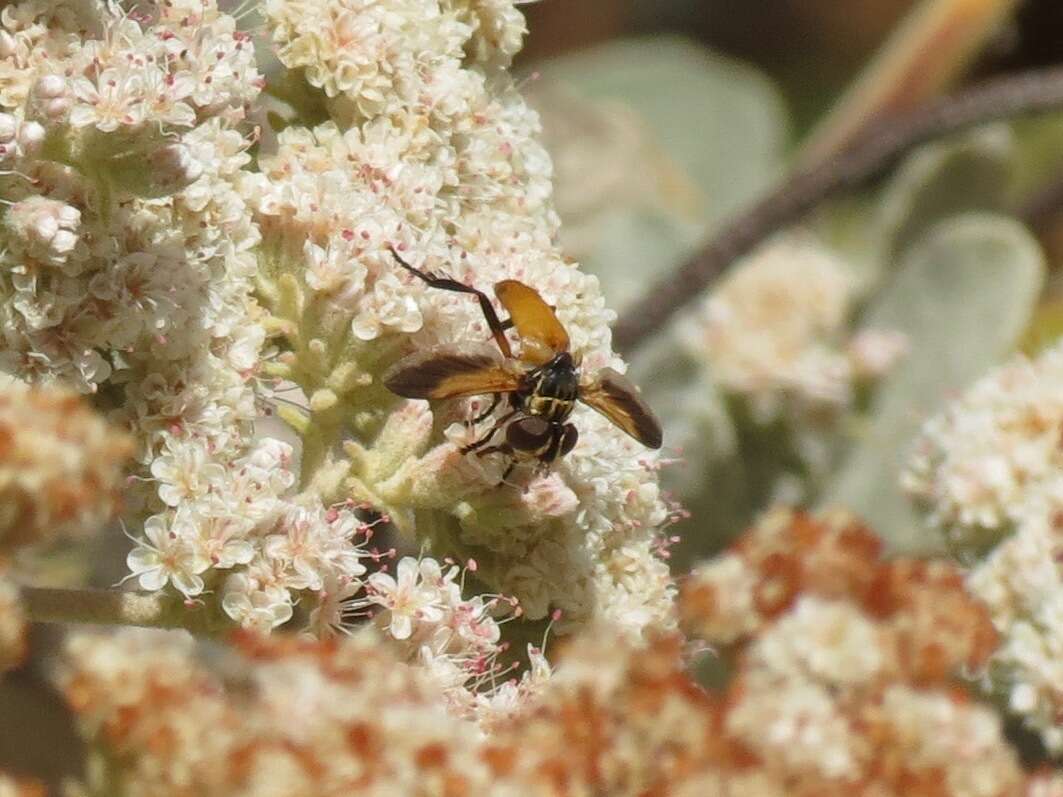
<point>1024,94</point>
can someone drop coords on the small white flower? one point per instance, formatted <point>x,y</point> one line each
<point>255,606</point>
<point>185,472</point>
<point>166,556</point>
<point>113,99</point>
<point>405,599</point>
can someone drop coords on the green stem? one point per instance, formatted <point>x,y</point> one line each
<point>117,607</point>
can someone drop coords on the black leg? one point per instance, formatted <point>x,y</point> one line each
<point>494,428</point>
<point>509,470</point>
<point>498,329</point>
<point>494,403</point>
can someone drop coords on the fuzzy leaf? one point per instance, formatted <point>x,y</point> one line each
<point>964,295</point>
<point>687,157</point>
<point>940,180</point>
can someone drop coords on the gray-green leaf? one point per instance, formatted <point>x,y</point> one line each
<point>963,295</point>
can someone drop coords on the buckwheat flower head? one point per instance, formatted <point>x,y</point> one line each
<point>288,716</point>
<point>60,466</point>
<point>498,29</point>
<point>284,717</point>
<point>991,452</point>
<point>1021,583</point>
<point>925,623</point>
<point>433,154</point>
<point>847,663</point>
<point>776,330</point>
<point>986,471</point>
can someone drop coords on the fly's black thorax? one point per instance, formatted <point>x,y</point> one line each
<point>551,390</point>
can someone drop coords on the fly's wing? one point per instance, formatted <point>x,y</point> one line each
<point>615,397</point>
<point>541,334</point>
<point>451,372</point>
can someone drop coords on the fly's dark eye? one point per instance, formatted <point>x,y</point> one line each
<point>568,442</point>
<point>530,433</point>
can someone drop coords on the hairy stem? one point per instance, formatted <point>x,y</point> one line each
<point>116,607</point>
<point>1037,91</point>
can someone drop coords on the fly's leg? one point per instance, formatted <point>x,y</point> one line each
<point>506,449</point>
<point>443,282</point>
<point>509,470</point>
<point>494,403</point>
<point>487,437</point>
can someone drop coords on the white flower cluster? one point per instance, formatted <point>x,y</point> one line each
<point>239,518</point>
<point>61,466</point>
<point>776,331</point>
<point>978,465</point>
<point>1021,582</point>
<point>142,238</point>
<point>127,269</point>
<point>456,640</point>
<point>440,158</point>
<point>987,471</point>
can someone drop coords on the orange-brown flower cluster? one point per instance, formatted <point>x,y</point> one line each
<point>919,607</point>
<point>60,466</point>
<point>273,716</point>
<point>844,682</point>
<point>845,665</point>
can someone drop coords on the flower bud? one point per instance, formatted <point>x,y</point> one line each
<point>8,128</point>
<point>31,136</point>
<point>49,87</point>
<point>47,227</point>
<point>7,44</point>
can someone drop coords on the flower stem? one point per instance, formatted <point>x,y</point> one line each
<point>117,607</point>
<point>1023,94</point>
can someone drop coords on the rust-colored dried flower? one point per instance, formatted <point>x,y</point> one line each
<point>60,466</point>
<point>280,716</point>
<point>846,664</point>
<point>920,608</point>
<point>273,716</point>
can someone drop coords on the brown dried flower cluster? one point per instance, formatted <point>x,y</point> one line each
<point>845,665</point>
<point>12,626</point>
<point>843,683</point>
<point>273,716</point>
<point>60,466</point>
<point>286,717</point>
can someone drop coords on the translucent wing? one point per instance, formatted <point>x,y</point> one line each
<point>450,372</point>
<point>541,334</point>
<point>615,397</point>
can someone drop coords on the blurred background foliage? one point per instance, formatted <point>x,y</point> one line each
<point>666,119</point>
